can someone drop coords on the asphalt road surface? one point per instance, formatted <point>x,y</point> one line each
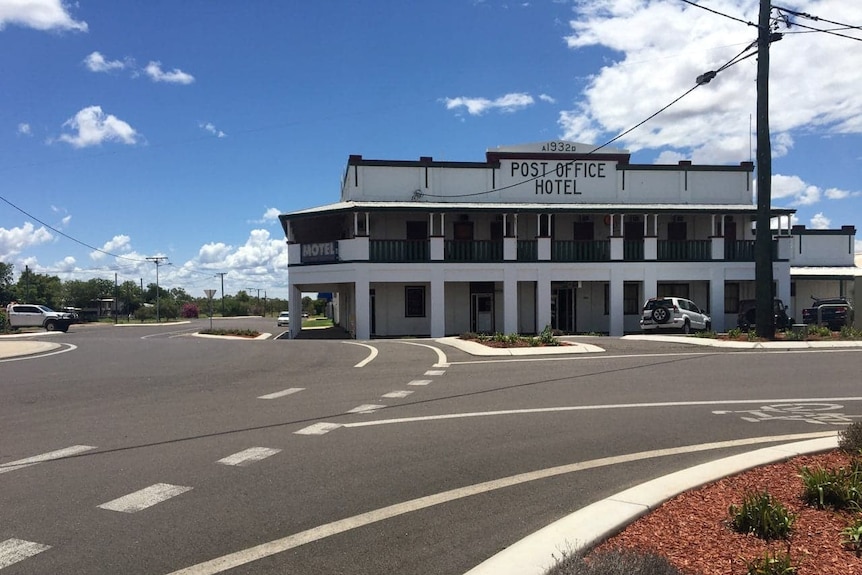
<point>147,450</point>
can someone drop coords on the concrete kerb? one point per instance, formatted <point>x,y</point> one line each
<point>475,348</point>
<point>537,553</point>
<point>712,342</point>
<point>21,348</point>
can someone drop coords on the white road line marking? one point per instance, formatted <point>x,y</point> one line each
<point>435,372</point>
<point>239,558</point>
<point>59,454</point>
<point>366,408</point>
<point>370,357</point>
<point>397,394</point>
<point>248,456</point>
<point>318,429</point>
<point>147,497</point>
<point>15,550</point>
<point>419,382</point>
<point>442,361</point>
<point>592,408</point>
<point>41,355</point>
<point>282,393</point>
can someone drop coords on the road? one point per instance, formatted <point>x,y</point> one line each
<point>146,450</point>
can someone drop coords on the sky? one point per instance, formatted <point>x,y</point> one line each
<point>180,130</point>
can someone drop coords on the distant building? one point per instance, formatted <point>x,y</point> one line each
<point>553,233</point>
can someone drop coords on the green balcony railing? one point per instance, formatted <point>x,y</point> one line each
<point>739,250</point>
<point>528,251</point>
<point>395,251</point>
<point>687,250</point>
<point>581,251</point>
<point>473,251</point>
<point>633,250</point>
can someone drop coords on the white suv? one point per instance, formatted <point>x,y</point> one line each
<point>674,313</point>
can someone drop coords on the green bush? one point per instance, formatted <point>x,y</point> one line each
<point>734,333</point>
<point>839,488</point>
<point>771,563</point>
<point>145,313</point>
<point>850,438</point>
<point>819,331</point>
<point>614,562</point>
<point>851,536</point>
<point>762,515</point>
<point>850,332</point>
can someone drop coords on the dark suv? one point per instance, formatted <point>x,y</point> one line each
<point>747,316</point>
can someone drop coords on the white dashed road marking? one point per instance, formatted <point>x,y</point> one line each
<point>435,372</point>
<point>248,456</point>
<point>147,497</point>
<point>59,454</point>
<point>318,429</point>
<point>366,408</point>
<point>397,394</point>
<point>15,550</point>
<point>420,382</point>
<point>282,393</point>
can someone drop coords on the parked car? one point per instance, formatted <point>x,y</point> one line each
<point>666,313</point>
<point>834,312</point>
<point>29,315</point>
<point>746,318</point>
<point>283,319</point>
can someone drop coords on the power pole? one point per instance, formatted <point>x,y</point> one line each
<point>157,260</point>
<point>763,279</point>
<point>222,274</point>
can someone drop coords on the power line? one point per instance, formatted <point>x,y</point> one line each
<point>67,236</point>
<point>704,78</point>
<point>690,3</point>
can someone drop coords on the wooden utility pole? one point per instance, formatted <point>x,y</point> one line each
<point>765,317</point>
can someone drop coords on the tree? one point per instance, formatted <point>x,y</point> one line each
<point>39,288</point>
<point>130,293</point>
<point>6,283</point>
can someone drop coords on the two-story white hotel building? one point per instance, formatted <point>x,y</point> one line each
<point>553,233</point>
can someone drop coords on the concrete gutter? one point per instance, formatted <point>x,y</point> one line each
<point>537,553</point>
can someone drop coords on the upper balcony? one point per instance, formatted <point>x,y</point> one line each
<point>488,238</point>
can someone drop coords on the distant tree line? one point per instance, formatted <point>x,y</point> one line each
<point>128,299</point>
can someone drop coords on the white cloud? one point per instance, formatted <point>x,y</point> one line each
<point>93,127</point>
<point>799,193</point>
<point>820,222</point>
<point>546,98</point>
<point>121,244</point>
<point>96,62</point>
<point>478,106</point>
<point>213,252</point>
<point>175,76</point>
<point>38,14</point>
<point>210,127</point>
<point>15,240</point>
<point>24,129</point>
<point>269,216</point>
<point>661,46</point>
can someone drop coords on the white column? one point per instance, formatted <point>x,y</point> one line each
<point>438,306</point>
<point>543,299</point>
<point>510,300</point>
<point>295,307</point>
<point>362,306</point>
<point>716,299</point>
<point>615,305</point>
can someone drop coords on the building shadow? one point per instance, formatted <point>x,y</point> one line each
<point>332,332</point>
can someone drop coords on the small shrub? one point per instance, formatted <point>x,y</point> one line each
<point>851,536</point>
<point>189,310</point>
<point>839,488</point>
<point>819,331</point>
<point>734,333</point>
<point>771,563</point>
<point>469,335</point>
<point>850,332</point>
<point>145,312</point>
<point>709,334</point>
<point>235,332</point>
<point>548,337</point>
<point>762,515</point>
<point>850,438</point>
<point>752,335</point>
<point>614,562</point>
<point>795,335</point>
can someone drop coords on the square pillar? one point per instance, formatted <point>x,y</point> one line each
<point>438,307</point>
<point>510,249</point>
<point>361,320</point>
<point>650,248</point>
<point>510,300</point>
<point>543,299</point>
<point>617,250</point>
<point>544,251</point>
<point>616,317</point>
<point>717,247</point>
<point>437,244</point>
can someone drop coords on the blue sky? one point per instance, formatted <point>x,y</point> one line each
<point>181,129</point>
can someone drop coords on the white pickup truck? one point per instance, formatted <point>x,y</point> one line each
<point>29,315</point>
